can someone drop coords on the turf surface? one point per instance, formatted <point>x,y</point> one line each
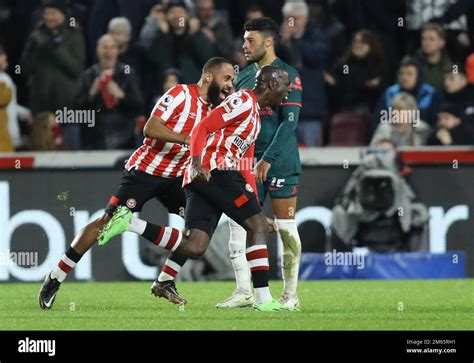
<point>326,305</point>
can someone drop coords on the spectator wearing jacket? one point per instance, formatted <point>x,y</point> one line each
<point>217,31</point>
<point>355,81</point>
<point>451,14</point>
<point>13,109</point>
<point>410,80</point>
<point>112,93</point>
<point>457,90</point>
<point>306,49</point>
<point>403,128</point>
<point>52,60</point>
<point>433,56</point>
<point>451,129</point>
<point>326,22</point>
<point>180,43</point>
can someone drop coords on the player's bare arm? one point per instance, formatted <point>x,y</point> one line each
<point>155,129</point>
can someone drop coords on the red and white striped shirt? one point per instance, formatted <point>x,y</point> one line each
<point>181,108</point>
<point>226,134</point>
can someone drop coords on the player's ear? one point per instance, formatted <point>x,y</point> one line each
<point>208,77</point>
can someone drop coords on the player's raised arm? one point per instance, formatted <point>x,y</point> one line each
<point>168,106</point>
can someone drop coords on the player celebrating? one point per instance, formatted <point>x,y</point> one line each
<point>277,169</point>
<point>213,186</point>
<point>156,168</point>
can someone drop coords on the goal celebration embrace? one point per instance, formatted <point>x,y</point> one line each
<point>237,167</point>
<point>190,160</point>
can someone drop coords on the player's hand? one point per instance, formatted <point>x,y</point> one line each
<point>261,171</point>
<point>199,172</point>
<point>272,227</point>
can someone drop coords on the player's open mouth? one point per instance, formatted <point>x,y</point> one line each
<point>224,93</point>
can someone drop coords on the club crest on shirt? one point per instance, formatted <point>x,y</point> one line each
<point>131,203</point>
<point>249,188</point>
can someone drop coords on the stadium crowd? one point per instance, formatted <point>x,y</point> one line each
<point>398,73</point>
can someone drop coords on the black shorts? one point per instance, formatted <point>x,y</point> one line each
<point>137,187</point>
<point>227,192</point>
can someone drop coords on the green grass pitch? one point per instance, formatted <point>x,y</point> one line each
<point>326,305</point>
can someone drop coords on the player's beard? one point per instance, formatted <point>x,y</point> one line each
<point>214,93</point>
<point>258,55</point>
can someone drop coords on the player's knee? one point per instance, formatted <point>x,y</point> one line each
<point>199,243</point>
<point>197,251</point>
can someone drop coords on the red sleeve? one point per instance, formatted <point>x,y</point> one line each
<point>234,109</point>
<point>209,124</point>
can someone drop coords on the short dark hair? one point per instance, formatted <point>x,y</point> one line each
<point>265,25</point>
<point>174,3</point>
<point>409,62</point>
<point>213,63</point>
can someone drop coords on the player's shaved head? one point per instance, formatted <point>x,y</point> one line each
<point>272,86</point>
<point>214,63</point>
<point>269,73</point>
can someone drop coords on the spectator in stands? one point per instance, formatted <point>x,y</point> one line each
<point>113,93</point>
<point>432,56</point>
<point>403,127</point>
<point>410,79</point>
<point>384,18</point>
<point>355,81</point>
<point>102,11</point>
<point>254,12</point>
<point>52,60</point>
<point>451,14</point>
<point>130,53</point>
<point>327,23</point>
<point>306,49</point>
<point>179,42</point>
<point>6,143</point>
<point>460,92</point>
<point>45,134</point>
<point>14,110</point>
<point>215,29</point>
<point>451,130</point>
<point>458,39</point>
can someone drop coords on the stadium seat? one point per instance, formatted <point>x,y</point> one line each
<point>348,129</point>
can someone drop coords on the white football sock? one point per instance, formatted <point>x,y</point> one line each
<point>237,246</point>
<point>291,254</point>
<point>262,294</point>
<point>137,225</point>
